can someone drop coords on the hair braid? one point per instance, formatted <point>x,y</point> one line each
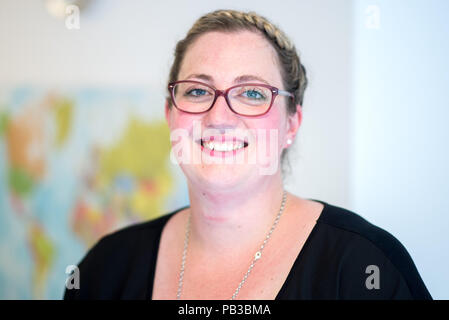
<point>260,23</point>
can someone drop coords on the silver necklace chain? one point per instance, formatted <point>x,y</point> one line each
<point>257,256</point>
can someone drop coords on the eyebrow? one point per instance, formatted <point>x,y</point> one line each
<point>239,79</point>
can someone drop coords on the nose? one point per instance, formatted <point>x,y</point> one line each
<point>221,113</point>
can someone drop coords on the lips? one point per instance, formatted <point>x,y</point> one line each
<point>222,143</point>
<point>223,139</point>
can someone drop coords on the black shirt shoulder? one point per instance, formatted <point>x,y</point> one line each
<point>347,257</point>
<point>118,266</point>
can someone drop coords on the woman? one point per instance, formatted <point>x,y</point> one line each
<point>236,90</point>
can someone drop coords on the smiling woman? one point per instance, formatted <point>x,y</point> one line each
<point>238,79</point>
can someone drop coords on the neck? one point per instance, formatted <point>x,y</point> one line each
<point>234,221</point>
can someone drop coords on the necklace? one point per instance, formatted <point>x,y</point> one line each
<point>257,256</point>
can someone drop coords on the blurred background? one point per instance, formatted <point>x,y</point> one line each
<point>84,148</point>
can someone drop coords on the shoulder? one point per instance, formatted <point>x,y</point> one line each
<point>346,223</point>
<point>126,240</point>
<point>363,250</point>
<point>134,233</point>
<point>118,260</point>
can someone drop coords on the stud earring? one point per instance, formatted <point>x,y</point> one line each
<point>289,141</point>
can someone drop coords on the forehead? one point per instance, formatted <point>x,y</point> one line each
<point>226,56</point>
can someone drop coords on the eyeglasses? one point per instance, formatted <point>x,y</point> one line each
<point>247,99</point>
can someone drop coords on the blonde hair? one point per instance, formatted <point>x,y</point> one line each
<point>292,71</point>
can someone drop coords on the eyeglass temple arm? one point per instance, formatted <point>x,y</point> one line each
<point>286,93</point>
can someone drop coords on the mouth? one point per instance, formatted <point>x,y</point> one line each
<point>225,145</point>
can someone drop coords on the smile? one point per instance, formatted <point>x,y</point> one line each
<point>224,147</point>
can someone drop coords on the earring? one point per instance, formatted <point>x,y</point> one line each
<point>289,141</point>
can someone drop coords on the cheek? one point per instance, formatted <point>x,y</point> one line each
<point>269,134</point>
<point>181,132</point>
<point>184,123</point>
<point>271,127</point>
<point>271,121</point>
<point>178,120</point>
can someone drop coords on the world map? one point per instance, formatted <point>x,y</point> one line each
<point>75,165</point>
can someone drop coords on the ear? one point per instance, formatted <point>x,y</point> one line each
<point>167,112</point>
<point>293,124</point>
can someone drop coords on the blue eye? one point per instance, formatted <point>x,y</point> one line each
<point>196,92</point>
<point>254,94</point>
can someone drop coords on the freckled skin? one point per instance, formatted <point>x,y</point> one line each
<point>225,56</point>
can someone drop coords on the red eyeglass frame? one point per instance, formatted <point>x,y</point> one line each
<point>275,92</point>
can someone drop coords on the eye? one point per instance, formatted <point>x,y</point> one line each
<point>254,94</point>
<point>197,92</point>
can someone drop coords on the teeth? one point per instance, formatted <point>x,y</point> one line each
<point>219,146</point>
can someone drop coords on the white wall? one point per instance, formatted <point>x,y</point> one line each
<point>400,135</point>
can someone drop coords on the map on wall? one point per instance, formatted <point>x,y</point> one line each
<point>74,166</point>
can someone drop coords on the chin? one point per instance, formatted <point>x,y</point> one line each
<point>221,176</point>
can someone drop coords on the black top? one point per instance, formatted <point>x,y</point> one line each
<point>344,257</point>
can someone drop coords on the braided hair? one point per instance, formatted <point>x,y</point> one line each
<point>292,71</point>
